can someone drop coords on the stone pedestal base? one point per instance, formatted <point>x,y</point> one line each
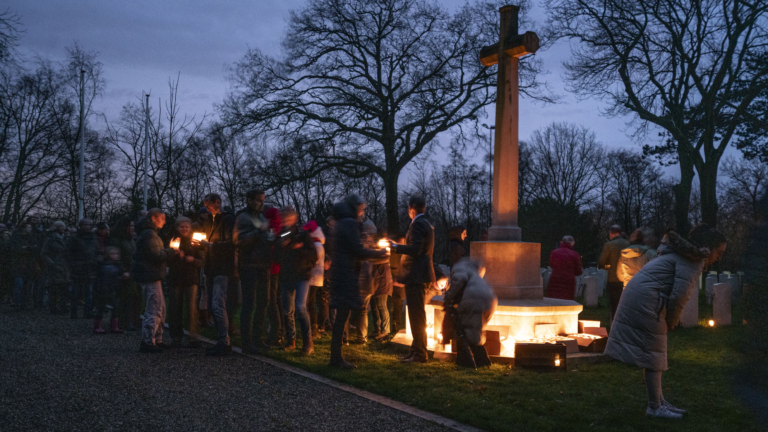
<point>512,268</point>
<point>523,316</point>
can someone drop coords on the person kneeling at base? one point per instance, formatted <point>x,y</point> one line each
<point>469,305</point>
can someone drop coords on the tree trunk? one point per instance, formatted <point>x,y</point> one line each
<point>393,215</point>
<point>683,193</point>
<point>708,185</point>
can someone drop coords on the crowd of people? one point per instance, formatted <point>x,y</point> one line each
<point>260,259</point>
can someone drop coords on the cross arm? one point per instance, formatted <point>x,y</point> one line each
<point>517,46</point>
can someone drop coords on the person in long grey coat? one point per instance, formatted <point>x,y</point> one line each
<point>653,302</point>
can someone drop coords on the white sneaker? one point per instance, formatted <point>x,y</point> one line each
<point>662,412</point>
<point>671,407</point>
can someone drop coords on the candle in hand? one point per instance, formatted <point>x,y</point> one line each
<point>383,243</point>
<point>198,236</point>
<point>175,243</point>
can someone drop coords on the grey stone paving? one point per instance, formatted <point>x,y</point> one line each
<point>56,375</point>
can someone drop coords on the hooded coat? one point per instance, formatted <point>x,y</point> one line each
<point>54,255</point>
<point>348,252</point>
<point>150,260</point>
<point>473,298</point>
<point>609,257</point>
<point>456,249</point>
<point>632,260</point>
<point>566,265</point>
<point>653,302</point>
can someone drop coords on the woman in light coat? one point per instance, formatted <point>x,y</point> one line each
<point>652,303</point>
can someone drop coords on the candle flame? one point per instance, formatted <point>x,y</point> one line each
<point>383,243</point>
<point>711,323</point>
<point>175,244</point>
<point>198,236</point>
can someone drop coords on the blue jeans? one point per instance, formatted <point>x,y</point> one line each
<point>294,295</point>
<point>380,314</point>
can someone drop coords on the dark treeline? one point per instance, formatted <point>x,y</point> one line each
<point>390,110</point>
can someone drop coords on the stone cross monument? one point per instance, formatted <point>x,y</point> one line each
<point>512,266</point>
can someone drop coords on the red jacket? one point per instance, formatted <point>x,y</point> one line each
<point>566,265</point>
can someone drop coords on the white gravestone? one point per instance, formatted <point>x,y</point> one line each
<point>710,284</point>
<point>546,275</point>
<point>733,281</point>
<point>721,304</point>
<point>603,281</point>
<point>690,316</point>
<point>591,291</point>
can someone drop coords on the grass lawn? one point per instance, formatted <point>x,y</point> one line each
<point>604,397</point>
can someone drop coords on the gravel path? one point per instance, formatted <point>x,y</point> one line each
<point>56,375</point>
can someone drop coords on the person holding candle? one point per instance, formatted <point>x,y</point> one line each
<point>183,277</point>
<point>148,268</point>
<point>348,251</point>
<point>652,304</point>
<point>417,273</point>
<point>253,241</point>
<point>218,226</point>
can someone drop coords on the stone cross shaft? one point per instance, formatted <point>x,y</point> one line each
<point>506,53</point>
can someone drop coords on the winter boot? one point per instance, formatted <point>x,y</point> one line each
<point>115,329</point>
<point>480,355</point>
<point>149,348</point>
<point>97,326</point>
<point>290,345</point>
<point>307,347</point>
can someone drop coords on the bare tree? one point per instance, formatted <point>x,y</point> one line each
<point>679,65</point>
<point>30,154</point>
<point>370,85</point>
<point>563,164</point>
<point>632,181</point>
<point>9,35</point>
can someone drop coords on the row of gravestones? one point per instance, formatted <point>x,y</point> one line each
<point>721,291</point>
<point>591,284</point>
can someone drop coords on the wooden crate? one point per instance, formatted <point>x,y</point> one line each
<point>543,357</point>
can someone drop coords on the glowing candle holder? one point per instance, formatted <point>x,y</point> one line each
<point>198,236</point>
<point>711,323</point>
<point>383,243</point>
<point>175,243</point>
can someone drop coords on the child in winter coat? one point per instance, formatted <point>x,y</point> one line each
<point>108,282</point>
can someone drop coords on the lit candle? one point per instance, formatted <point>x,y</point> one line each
<point>557,362</point>
<point>198,236</point>
<point>711,323</point>
<point>175,243</point>
<point>383,243</point>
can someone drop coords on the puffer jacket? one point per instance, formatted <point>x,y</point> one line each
<point>632,260</point>
<point>566,265</point>
<point>150,260</point>
<point>473,298</point>
<point>81,255</point>
<point>55,257</point>
<point>653,302</point>
<point>348,252</point>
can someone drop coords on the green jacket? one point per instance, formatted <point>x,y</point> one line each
<point>609,258</point>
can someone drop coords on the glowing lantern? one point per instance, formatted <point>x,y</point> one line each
<point>198,236</point>
<point>711,323</point>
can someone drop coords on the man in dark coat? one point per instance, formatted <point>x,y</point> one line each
<point>148,269</point>
<point>81,256</point>
<point>218,226</point>
<point>251,237</point>
<point>348,251</point>
<point>566,265</point>
<point>609,260</point>
<point>417,273</point>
